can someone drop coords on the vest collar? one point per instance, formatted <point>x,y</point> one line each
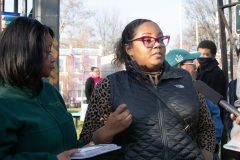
<point>169,71</point>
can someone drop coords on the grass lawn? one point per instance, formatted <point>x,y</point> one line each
<point>73,110</point>
<point>79,127</point>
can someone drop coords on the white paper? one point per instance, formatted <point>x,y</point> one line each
<point>233,145</point>
<point>91,151</point>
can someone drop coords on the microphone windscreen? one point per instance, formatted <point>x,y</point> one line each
<point>207,91</point>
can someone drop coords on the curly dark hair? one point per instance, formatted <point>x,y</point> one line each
<point>22,52</point>
<point>209,45</point>
<point>127,34</point>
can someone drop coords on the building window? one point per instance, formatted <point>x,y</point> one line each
<point>61,87</point>
<point>80,89</point>
<point>77,63</point>
<point>93,61</point>
<point>62,64</point>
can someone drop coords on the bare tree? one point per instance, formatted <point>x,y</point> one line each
<point>200,22</point>
<point>108,27</point>
<point>74,24</point>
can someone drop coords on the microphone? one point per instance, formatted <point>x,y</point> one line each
<point>214,96</point>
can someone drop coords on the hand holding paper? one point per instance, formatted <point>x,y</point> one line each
<point>95,150</point>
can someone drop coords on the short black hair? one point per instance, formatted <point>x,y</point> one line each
<point>209,45</point>
<point>92,68</point>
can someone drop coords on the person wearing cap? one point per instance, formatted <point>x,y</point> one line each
<point>183,59</point>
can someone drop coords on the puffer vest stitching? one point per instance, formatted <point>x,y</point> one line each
<point>155,132</point>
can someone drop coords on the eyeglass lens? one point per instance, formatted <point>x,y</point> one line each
<point>149,42</point>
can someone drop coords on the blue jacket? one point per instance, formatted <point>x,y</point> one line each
<point>215,115</point>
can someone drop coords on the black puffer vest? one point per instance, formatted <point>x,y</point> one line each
<point>155,133</point>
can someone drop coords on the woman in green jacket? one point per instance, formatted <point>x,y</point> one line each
<point>35,123</point>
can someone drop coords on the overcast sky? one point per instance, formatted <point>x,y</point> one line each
<point>166,13</point>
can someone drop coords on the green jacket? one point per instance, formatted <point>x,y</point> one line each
<point>34,127</point>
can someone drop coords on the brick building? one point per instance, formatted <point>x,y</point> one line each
<point>74,69</point>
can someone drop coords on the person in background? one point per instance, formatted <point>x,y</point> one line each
<point>235,134</point>
<point>183,59</point>
<point>169,119</point>
<point>210,73</point>
<point>91,82</point>
<point>232,98</point>
<point>208,70</point>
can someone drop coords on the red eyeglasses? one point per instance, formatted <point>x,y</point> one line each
<point>149,42</point>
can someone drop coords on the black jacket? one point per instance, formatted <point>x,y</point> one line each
<point>155,132</point>
<point>213,76</point>
<point>232,97</point>
<point>232,91</point>
<point>89,86</point>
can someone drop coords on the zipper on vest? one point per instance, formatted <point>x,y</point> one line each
<point>163,135</point>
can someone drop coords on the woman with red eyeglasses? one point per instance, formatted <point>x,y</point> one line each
<point>151,108</point>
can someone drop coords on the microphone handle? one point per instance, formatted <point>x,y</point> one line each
<point>229,108</point>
